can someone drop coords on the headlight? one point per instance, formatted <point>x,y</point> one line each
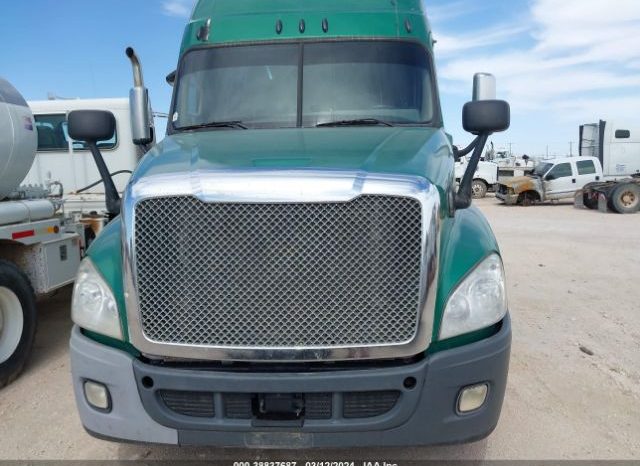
<point>479,301</point>
<point>93,306</point>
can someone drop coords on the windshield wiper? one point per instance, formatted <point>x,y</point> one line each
<point>215,124</point>
<point>357,122</point>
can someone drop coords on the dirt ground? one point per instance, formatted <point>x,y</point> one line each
<point>573,283</point>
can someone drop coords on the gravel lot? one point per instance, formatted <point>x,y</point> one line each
<point>573,283</point>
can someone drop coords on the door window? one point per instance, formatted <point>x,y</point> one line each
<point>51,132</point>
<point>586,167</point>
<point>54,136</point>
<point>562,170</point>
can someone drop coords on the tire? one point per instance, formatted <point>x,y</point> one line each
<point>625,199</point>
<point>17,321</point>
<point>479,189</point>
<point>527,199</point>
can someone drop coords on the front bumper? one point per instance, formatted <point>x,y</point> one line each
<point>424,414</point>
<point>509,199</point>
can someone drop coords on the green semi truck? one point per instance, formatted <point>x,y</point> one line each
<point>293,265</point>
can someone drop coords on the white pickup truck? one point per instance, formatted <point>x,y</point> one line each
<point>551,180</point>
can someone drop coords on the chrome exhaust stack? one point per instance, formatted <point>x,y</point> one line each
<point>142,128</point>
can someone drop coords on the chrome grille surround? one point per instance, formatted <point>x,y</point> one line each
<point>279,275</point>
<point>304,190</point>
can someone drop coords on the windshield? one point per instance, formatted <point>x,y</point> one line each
<point>542,168</point>
<point>305,84</point>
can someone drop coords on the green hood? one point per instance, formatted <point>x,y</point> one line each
<point>413,151</point>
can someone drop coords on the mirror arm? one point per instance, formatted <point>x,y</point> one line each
<point>112,196</point>
<point>459,153</point>
<point>464,196</point>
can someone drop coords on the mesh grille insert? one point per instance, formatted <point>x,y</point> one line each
<point>369,404</point>
<point>195,404</point>
<point>279,275</point>
<point>318,405</point>
<point>237,405</point>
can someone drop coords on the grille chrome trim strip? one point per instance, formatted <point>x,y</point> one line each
<point>298,186</point>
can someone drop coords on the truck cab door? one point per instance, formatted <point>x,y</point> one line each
<point>560,182</point>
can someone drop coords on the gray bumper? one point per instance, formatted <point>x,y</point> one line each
<point>509,199</point>
<point>128,419</point>
<point>423,415</point>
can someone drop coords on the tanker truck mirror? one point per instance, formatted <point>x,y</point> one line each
<point>91,126</point>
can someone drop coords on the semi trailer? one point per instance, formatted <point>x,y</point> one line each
<point>617,147</point>
<point>293,265</point>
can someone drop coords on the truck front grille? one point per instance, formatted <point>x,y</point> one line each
<point>317,406</point>
<point>279,275</point>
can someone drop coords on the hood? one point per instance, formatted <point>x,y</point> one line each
<point>522,183</point>
<point>421,151</point>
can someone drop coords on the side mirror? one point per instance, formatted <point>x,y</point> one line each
<point>482,116</point>
<point>91,125</point>
<point>550,177</point>
<point>141,117</point>
<point>486,116</point>
<point>171,78</point>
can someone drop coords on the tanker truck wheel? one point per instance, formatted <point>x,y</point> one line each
<point>17,321</point>
<point>626,199</point>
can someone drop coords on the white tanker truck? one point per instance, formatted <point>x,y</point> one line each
<point>40,248</point>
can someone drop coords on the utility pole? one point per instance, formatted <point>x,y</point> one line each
<point>510,149</point>
<point>570,148</point>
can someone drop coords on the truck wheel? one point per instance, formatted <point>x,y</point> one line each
<point>479,189</point>
<point>17,321</point>
<point>527,199</point>
<point>626,198</point>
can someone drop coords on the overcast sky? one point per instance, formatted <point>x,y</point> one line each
<point>560,63</point>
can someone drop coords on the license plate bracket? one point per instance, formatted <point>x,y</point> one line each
<point>278,409</point>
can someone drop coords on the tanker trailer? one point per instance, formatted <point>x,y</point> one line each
<point>40,249</point>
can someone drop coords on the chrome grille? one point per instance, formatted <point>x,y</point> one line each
<point>279,275</point>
